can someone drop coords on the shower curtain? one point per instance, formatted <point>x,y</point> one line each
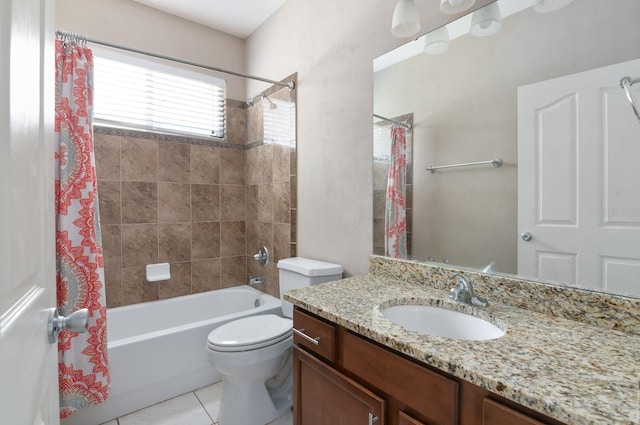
<point>82,358</point>
<point>395,218</point>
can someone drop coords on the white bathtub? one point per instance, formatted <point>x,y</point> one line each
<point>157,349</point>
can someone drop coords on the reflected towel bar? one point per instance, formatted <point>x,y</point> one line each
<point>626,83</point>
<point>495,162</point>
<point>396,122</point>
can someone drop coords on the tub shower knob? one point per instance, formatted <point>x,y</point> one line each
<point>78,321</point>
<point>262,256</point>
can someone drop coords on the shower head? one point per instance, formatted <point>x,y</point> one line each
<point>253,100</point>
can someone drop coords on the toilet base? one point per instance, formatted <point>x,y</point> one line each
<point>245,403</point>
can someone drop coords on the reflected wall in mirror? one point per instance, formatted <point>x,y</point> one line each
<point>542,94</point>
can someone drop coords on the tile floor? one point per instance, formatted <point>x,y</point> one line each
<point>199,407</point>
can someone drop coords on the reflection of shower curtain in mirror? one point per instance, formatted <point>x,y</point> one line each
<point>395,218</point>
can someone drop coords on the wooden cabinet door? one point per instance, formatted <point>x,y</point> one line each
<point>404,419</point>
<point>323,396</point>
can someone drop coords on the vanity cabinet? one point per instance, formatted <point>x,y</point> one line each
<point>341,378</point>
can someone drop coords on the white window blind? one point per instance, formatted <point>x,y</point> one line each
<point>142,94</point>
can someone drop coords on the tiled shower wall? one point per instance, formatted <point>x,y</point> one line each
<point>201,208</point>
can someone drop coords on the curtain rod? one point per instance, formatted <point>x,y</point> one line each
<point>401,124</point>
<point>290,85</point>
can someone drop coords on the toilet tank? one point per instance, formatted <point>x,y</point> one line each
<point>298,272</point>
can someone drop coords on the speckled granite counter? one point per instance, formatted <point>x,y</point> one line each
<point>574,372</point>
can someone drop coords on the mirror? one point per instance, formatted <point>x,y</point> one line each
<point>541,94</point>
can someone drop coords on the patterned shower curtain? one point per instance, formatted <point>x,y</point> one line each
<point>395,218</point>
<point>82,358</point>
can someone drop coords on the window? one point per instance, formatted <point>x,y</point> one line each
<point>145,95</point>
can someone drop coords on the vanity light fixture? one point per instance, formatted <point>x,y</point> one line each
<point>436,42</point>
<point>546,6</point>
<point>406,19</point>
<point>486,21</point>
<point>452,7</point>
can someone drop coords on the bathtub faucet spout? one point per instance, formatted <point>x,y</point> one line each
<point>257,280</point>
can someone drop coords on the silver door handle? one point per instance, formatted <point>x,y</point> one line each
<point>314,341</point>
<point>78,321</point>
<point>526,236</point>
<point>373,419</point>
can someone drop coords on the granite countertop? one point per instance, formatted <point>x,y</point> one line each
<point>576,373</point>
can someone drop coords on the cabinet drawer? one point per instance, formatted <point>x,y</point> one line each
<point>494,413</point>
<point>315,334</point>
<point>431,395</point>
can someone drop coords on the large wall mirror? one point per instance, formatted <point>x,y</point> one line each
<point>537,88</point>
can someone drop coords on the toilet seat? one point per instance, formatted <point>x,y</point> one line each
<point>250,333</point>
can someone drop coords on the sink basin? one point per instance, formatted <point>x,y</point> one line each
<point>439,321</point>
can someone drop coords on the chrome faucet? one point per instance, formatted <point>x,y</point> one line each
<point>464,292</point>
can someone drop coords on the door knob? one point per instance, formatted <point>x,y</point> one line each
<point>78,321</point>
<point>526,236</point>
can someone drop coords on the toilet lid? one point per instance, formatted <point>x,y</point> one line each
<point>250,333</point>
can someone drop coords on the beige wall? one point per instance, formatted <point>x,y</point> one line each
<point>331,44</point>
<point>128,23</point>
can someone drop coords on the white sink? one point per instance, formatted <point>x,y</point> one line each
<point>439,321</point>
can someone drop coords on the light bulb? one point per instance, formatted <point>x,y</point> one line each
<point>453,7</point>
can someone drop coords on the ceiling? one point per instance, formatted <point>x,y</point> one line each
<point>236,17</point>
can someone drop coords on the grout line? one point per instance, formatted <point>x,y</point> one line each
<point>213,421</point>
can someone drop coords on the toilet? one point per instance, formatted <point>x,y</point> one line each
<point>253,354</point>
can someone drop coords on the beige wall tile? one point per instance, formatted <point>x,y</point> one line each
<point>135,288</point>
<point>110,201</point>
<point>174,202</point>
<point>233,271</point>
<point>139,160</point>
<point>293,191</point>
<point>107,155</point>
<point>205,164</point>
<point>281,163</point>
<point>174,162</point>
<point>255,126</point>
<point>232,166</point>
<point>179,284</point>
<point>236,125</point>
<point>260,164</point>
<point>205,240</point>
<point>265,202</point>
<point>281,202</point>
<point>113,287</point>
<point>251,203</point>
<point>259,234</point>
<point>139,244</point>
<point>205,202</point>
<point>232,239</point>
<point>174,242</point>
<point>112,246</point>
<point>205,275</point>
<point>233,202</point>
<point>139,202</point>
<point>281,242</point>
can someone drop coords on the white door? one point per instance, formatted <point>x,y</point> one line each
<point>578,180</point>
<point>28,362</point>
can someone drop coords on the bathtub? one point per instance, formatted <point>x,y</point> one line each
<point>157,349</point>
